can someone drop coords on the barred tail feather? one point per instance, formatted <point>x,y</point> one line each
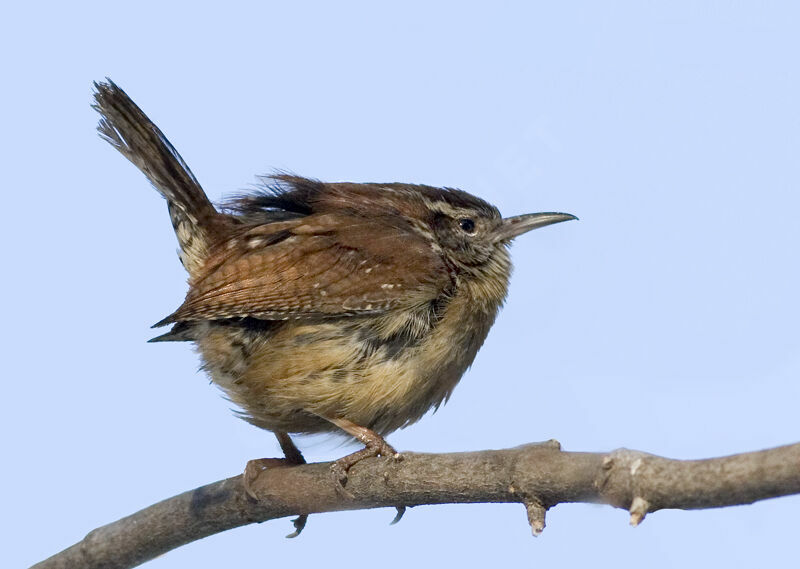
<point>129,130</point>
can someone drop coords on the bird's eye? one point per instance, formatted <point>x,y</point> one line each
<point>467,225</point>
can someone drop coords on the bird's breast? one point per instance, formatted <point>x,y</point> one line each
<point>383,372</point>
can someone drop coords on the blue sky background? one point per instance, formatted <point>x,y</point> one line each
<point>666,320</point>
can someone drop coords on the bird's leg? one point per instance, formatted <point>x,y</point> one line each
<point>374,445</point>
<point>290,451</point>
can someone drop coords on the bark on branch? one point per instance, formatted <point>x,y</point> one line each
<point>538,476</point>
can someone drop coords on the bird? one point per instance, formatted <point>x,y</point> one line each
<point>323,307</point>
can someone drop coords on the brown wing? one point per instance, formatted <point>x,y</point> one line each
<point>320,265</point>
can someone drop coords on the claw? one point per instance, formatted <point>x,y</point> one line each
<point>339,475</point>
<point>254,468</point>
<point>299,523</point>
<point>401,510</point>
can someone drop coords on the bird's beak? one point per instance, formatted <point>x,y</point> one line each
<point>515,226</point>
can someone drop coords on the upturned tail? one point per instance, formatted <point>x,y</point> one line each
<point>129,130</point>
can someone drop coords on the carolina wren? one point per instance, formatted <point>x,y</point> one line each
<point>322,307</point>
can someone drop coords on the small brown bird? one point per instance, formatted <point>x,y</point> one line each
<point>321,307</point>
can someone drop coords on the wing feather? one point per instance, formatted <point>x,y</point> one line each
<point>317,266</point>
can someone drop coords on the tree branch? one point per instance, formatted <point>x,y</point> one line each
<point>537,475</point>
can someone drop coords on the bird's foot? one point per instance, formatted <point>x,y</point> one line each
<point>254,469</point>
<point>374,445</point>
<point>251,473</point>
<point>293,457</point>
